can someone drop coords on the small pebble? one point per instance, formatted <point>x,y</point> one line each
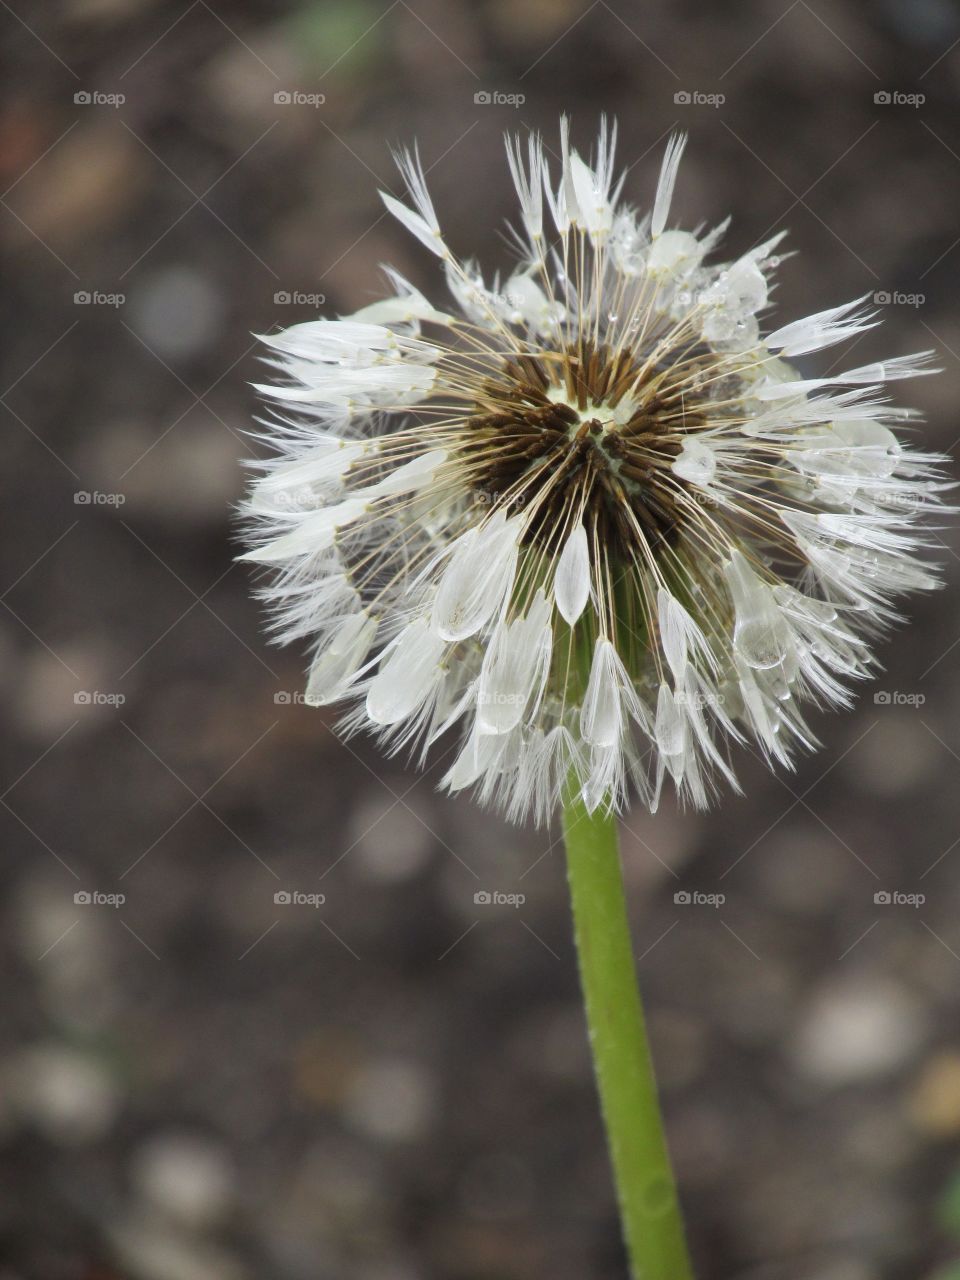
<point>188,1178</point>
<point>65,1093</point>
<point>390,1101</point>
<point>935,1099</point>
<point>177,311</point>
<point>855,1030</point>
<point>391,843</point>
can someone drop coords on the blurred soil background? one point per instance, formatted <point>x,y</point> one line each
<point>203,1082</point>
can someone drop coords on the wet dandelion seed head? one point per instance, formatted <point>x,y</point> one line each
<point>590,518</point>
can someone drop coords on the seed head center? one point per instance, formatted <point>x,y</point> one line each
<point>582,432</point>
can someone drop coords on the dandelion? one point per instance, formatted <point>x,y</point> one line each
<point>593,520</point>
<point>588,516</point>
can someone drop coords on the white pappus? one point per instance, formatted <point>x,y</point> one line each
<point>588,517</point>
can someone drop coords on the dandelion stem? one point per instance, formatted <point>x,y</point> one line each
<point>646,1191</point>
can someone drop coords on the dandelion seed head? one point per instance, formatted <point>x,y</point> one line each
<point>589,519</point>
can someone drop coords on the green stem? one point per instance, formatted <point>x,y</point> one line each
<point>646,1191</point>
